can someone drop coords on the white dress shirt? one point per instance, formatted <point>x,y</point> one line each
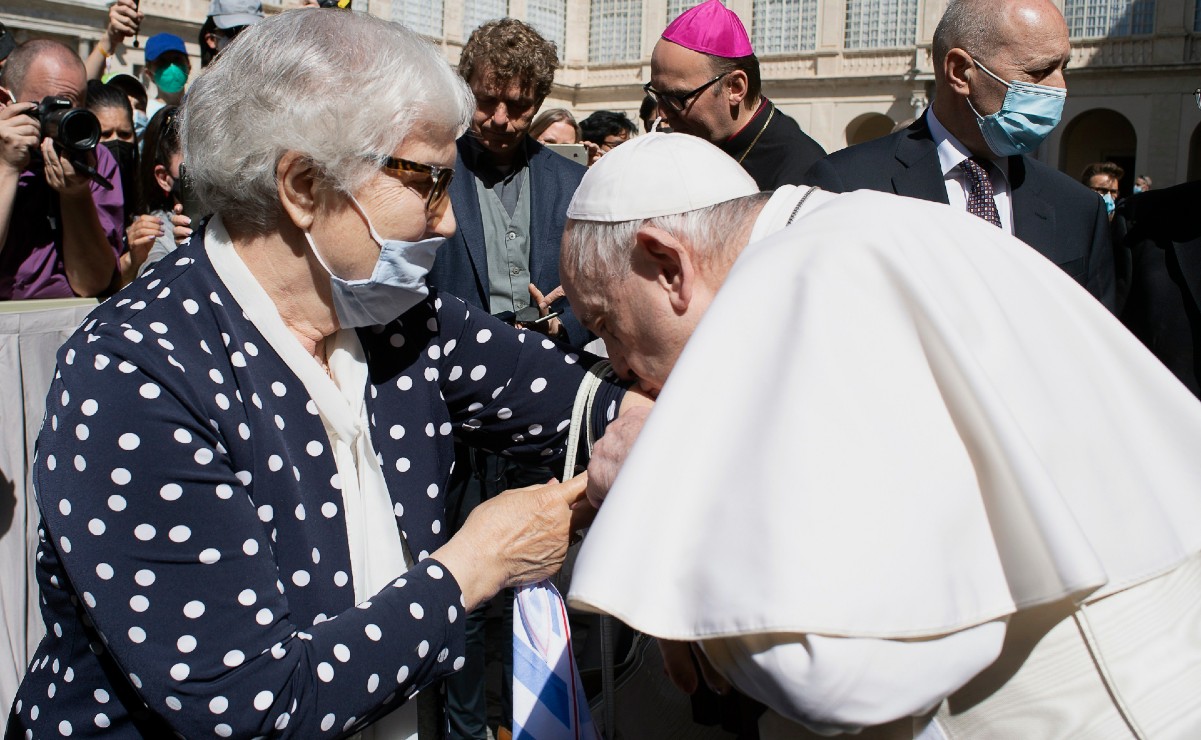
<point>951,153</point>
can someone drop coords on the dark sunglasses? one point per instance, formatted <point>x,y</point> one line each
<point>440,178</point>
<point>677,102</point>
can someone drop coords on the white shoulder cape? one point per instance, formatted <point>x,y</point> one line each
<point>895,421</point>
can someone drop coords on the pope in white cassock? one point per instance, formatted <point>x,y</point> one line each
<point>940,492</point>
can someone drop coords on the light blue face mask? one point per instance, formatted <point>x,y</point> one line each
<point>1138,189</point>
<point>1028,115</point>
<point>140,121</point>
<point>397,282</point>
<point>1109,203</point>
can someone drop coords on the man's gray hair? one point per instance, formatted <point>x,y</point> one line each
<point>343,89</point>
<point>970,25</point>
<point>593,249</point>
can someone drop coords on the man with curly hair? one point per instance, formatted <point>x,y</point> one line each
<point>510,197</point>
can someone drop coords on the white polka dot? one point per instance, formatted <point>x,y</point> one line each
<point>403,464</point>
<point>404,382</point>
<point>274,463</point>
<point>416,610</point>
<point>64,728</point>
<point>133,335</point>
<point>397,340</point>
<point>434,352</point>
<point>82,432</point>
<point>80,463</point>
<point>64,507</point>
<point>101,696</point>
<point>89,407</point>
<point>396,431</point>
<point>223,730</point>
<point>299,512</point>
<point>224,491</point>
<point>266,513</point>
<point>436,527</point>
<point>139,603</point>
<point>431,374</point>
<point>423,648</point>
<point>279,388</point>
<point>341,579</point>
<point>342,653</point>
<point>445,429</point>
<point>329,510</point>
<point>144,532</point>
<point>452,614</point>
<point>455,373</point>
<point>100,362</point>
<point>483,336</point>
<point>193,609</point>
<point>325,672</point>
<point>222,401</point>
<point>478,372</point>
<point>244,477</point>
<point>279,422</point>
<point>373,632</point>
<point>443,654</point>
<point>250,547</point>
<point>180,671</point>
<point>243,431</point>
<point>262,700</point>
<point>234,658</point>
<point>121,476</point>
<point>96,527</point>
<point>127,367</point>
<point>301,578</point>
<point>179,533</point>
<point>403,674</point>
<point>116,503</point>
<point>218,704</point>
<point>535,429</point>
<point>278,652</point>
<point>102,721</point>
<point>144,577</point>
<point>504,414</point>
<point>251,349</point>
<point>264,617</point>
<point>149,391</point>
<point>314,448</point>
<point>104,571</point>
<point>191,306</point>
<point>372,683</point>
<point>185,644</point>
<point>432,490</point>
<point>210,555</point>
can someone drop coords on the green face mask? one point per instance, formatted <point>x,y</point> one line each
<point>171,79</point>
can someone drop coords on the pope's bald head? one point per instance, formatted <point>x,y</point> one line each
<point>987,28</point>
<point>43,67</point>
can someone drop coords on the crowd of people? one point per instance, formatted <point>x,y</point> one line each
<point>294,465</point>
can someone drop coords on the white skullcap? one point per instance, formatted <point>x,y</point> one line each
<point>658,175</point>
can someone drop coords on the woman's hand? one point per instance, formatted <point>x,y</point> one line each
<point>516,538</point>
<point>181,225</point>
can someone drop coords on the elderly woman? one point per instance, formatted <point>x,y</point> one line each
<point>241,495</point>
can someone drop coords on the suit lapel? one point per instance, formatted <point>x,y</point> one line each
<point>539,188</point>
<point>922,174</point>
<point>466,206</point>
<point>1033,216</point>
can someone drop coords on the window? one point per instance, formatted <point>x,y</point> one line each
<point>875,24</point>
<point>550,18</point>
<point>676,8</point>
<point>423,16</point>
<point>615,33</point>
<point>478,12</point>
<point>784,25</point>
<point>1100,18</point>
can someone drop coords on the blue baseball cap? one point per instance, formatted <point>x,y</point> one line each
<point>161,43</point>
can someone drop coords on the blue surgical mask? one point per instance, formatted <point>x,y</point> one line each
<point>140,121</point>
<point>1109,204</point>
<point>1028,115</point>
<point>1138,189</point>
<point>397,282</point>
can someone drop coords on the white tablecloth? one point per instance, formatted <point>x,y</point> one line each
<point>30,335</point>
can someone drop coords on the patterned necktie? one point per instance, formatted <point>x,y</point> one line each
<point>980,200</point>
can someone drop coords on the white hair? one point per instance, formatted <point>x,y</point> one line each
<point>342,88</point>
<point>602,249</point>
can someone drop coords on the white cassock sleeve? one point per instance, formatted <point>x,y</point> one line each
<point>836,684</point>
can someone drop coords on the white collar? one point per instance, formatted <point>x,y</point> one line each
<point>952,152</point>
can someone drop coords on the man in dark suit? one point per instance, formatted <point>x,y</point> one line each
<point>510,197</point>
<point>998,72</point>
<point>1162,253</point>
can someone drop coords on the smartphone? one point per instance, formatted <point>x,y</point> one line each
<point>574,152</point>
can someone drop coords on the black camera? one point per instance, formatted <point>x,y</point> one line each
<point>75,130</point>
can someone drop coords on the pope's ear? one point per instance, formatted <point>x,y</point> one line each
<point>661,257</point>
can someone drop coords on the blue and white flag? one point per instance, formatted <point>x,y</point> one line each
<point>548,698</point>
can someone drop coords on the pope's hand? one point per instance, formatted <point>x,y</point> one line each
<point>610,451</point>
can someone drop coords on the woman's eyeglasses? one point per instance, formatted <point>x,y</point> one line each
<point>440,177</point>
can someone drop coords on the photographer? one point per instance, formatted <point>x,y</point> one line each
<point>60,229</point>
